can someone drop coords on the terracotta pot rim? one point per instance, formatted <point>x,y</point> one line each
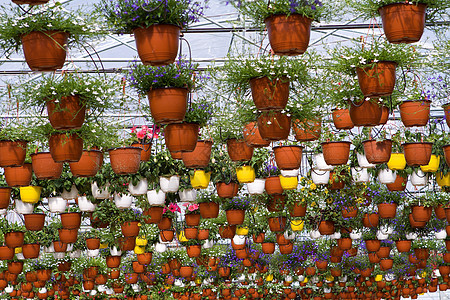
<point>45,31</point>
<point>140,27</point>
<point>74,212</point>
<point>416,143</point>
<point>34,214</point>
<point>418,100</point>
<point>294,14</point>
<point>387,140</point>
<point>95,150</point>
<point>334,142</point>
<point>288,146</point>
<point>259,77</point>
<point>379,62</point>
<point>169,87</point>
<point>20,166</point>
<point>5,187</point>
<point>19,140</point>
<point>119,148</point>
<point>404,4</point>
<point>335,109</point>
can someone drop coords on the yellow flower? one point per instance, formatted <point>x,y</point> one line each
<point>313,186</point>
<point>139,224</point>
<point>359,200</point>
<point>313,204</point>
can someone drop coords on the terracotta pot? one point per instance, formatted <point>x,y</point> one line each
<point>417,154</point>
<point>403,246</point>
<point>386,264</point>
<point>446,108</point>
<point>415,113</point>
<point>14,239</point>
<point>268,248</point>
<point>298,210</point>
<point>274,126</point>
<point>89,164</point>
<point>65,147</point>
<point>307,130</point>
<point>45,50</point>
<point>194,250</point>
<point>209,210</point>
<point>157,45</point>
<point>66,113</point>
<point>34,222</point>
<point>146,152</point>
<point>203,234</point>
<point>191,233</point>
<point>5,197</point>
<point>18,176</point>
<point>387,210</point>
<point>192,219</point>
<point>287,248</point>
<point>344,243</point>
<point>227,232</point>
<point>421,213</point>
<point>235,216</point>
<point>71,220</point>
<point>365,113</point>
<point>125,160</point>
<point>377,152</point>
<point>153,215</point>
<point>288,35</point>
<point>371,220</point>
<point>373,245</point>
<point>384,115</point>
<point>252,136</point>
<point>349,212</point>
<point>6,253</point>
<point>422,253</point>
<point>277,224</point>
<point>93,243</point>
<point>165,223</point>
<point>59,246</point>
<point>270,94</point>
<point>398,185</point>
<point>199,158</point>
<point>130,229</point>
<point>326,227</point>
<point>414,223</point>
<point>446,150</point>
<point>377,80</point>
<point>238,150</point>
<point>13,153</point>
<point>137,267</point>
<point>288,157</point>
<point>336,153</point>
<point>166,235</point>
<point>335,182</point>
<point>163,113</point>
<point>440,212</point>
<point>15,267</point>
<point>181,137</point>
<point>44,167</point>
<point>273,185</point>
<point>227,190</point>
<point>127,244</point>
<point>402,22</point>
<point>341,119</point>
<point>68,236</point>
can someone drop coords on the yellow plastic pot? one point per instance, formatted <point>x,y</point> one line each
<point>433,165</point>
<point>378,277</point>
<point>18,250</point>
<point>103,245</point>
<point>269,277</point>
<point>198,281</point>
<point>141,241</point>
<point>443,180</point>
<point>397,162</point>
<point>139,250</point>
<point>289,183</point>
<point>305,280</point>
<point>200,180</point>
<point>297,225</point>
<point>30,194</point>
<point>242,230</point>
<point>330,278</point>
<point>182,237</point>
<point>245,174</point>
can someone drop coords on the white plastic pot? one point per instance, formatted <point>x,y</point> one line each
<point>239,239</point>
<point>335,236</point>
<point>23,208</point>
<point>387,229</point>
<point>43,290</point>
<point>70,195</point>
<point>109,291</point>
<point>160,248</point>
<point>320,164</point>
<point>57,204</point>
<point>59,255</point>
<point>360,175</point>
<point>123,201</point>
<point>188,195</point>
<point>419,178</point>
<point>169,185</point>
<point>363,162</point>
<point>101,288</point>
<point>75,254</point>
<point>290,173</point>
<point>411,236</point>
<point>93,253</point>
<point>387,176</point>
<point>85,205</point>
<point>100,193</point>
<point>9,289</point>
<point>115,252</point>
<point>256,187</point>
<point>382,236</point>
<point>208,244</point>
<point>314,234</point>
<point>355,235</point>
<point>156,197</point>
<point>440,235</point>
<point>320,177</point>
<point>140,188</point>
<point>20,256</point>
<point>289,236</point>
<point>3,212</point>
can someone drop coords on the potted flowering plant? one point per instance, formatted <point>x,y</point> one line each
<point>14,137</point>
<point>235,209</point>
<point>143,137</point>
<point>192,214</point>
<point>156,25</point>
<point>45,33</point>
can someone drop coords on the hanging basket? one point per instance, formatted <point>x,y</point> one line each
<point>146,152</point>
<point>65,147</point>
<point>377,80</point>
<point>12,153</point>
<point>238,150</point>
<point>377,152</point>
<point>18,176</point>
<point>336,153</point>
<point>270,94</point>
<point>415,113</point>
<point>199,158</point>
<point>157,45</point>
<point>365,113</point>
<point>66,113</point>
<point>274,126</point>
<point>417,154</point>
<point>252,136</point>
<point>288,157</point>
<point>168,105</point>
<point>307,130</point>
<point>342,119</point>
<point>44,167</point>
<point>227,190</point>
<point>89,164</point>
<point>125,160</point>
<point>181,137</point>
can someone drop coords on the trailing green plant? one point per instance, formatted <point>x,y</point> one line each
<point>200,112</point>
<point>237,203</point>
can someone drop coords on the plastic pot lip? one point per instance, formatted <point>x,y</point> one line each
<point>287,146</point>
<point>377,63</point>
<point>169,88</point>
<point>334,142</point>
<point>404,4</point>
<point>41,152</point>
<point>338,109</point>
<point>95,150</point>
<point>419,100</point>
<point>387,140</point>
<point>276,15</point>
<point>34,214</point>
<point>19,140</point>
<point>412,143</point>
<point>120,148</point>
<point>5,187</point>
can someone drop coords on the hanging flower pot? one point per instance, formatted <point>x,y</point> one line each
<point>341,119</point>
<point>13,153</point>
<point>252,136</point>
<point>371,220</point>
<point>417,154</point>
<point>199,158</point>
<point>387,210</point>
<point>288,183</point>
<point>421,213</point>
<point>270,94</point>
<point>298,209</point>
<point>326,227</point>
<point>130,229</point>
<point>65,147</point>
<point>85,204</point>
<point>146,152</point>
<point>377,152</point>
<point>287,248</point>
<point>157,45</point>
<point>378,79</point>
<point>71,220</point>
<point>168,105</point>
<point>93,243</point>
<point>44,167</point>
<point>200,179</point>
<point>403,22</point>
<point>276,202</point>
<point>245,174</point>
<point>18,176</point>
<point>365,113</point>
<point>68,236</point>
<point>288,35</point>
<point>414,223</point>
<point>397,162</point>
<point>153,215</point>
<point>30,251</point>
<point>209,210</point>
<point>373,245</point>
<point>57,204</point>
<point>66,113</point>
<point>349,212</point>
<point>256,187</point>
<point>193,251</point>
<point>415,113</point>
<point>45,50</point>
<point>336,153</point>
<point>433,165</point>
<point>419,178</point>
<point>307,130</point>
<point>235,216</point>
<point>288,157</point>
<point>169,184</point>
<point>125,160</point>
<point>30,194</point>
<point>14,239</point>
<point>274,125</point>
<point>238,150</point>
<point>273,185</point>
<point>225,190</point>
<point>89,164</point>
<point>34,222</point>
<point>5,197</point>
<point>277,224</point>
<point>181,137</point>
<point>192,219</point>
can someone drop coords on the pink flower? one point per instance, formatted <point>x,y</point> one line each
<point>141,134</point>
<point>173,207</point>
<point>165,209</point>
<point>193,207</point>
<point>133,130</point>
